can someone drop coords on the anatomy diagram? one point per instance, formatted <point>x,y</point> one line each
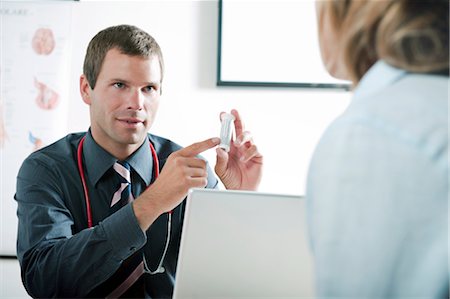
<point>47,98</point>
<point>43,41</point>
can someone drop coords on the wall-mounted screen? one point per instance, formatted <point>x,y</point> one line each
<point>271,43</point>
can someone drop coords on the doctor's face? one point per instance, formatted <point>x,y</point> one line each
<point>125,100</point>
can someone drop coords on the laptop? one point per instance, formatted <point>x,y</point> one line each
<point>244,244</point>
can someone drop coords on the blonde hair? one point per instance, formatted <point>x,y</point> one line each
<point>409,34</point>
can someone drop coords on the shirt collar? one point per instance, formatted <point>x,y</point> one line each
<point>378,77</point>
<point>98,161</point>
<point>142,162</point>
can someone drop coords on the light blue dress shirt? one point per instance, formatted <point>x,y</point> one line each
<point>377,191</point>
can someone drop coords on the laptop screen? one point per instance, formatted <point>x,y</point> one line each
<point>238,244</point>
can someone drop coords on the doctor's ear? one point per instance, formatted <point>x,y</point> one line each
<point>85,90</point>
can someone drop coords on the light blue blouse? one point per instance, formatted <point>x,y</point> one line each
<point>377,191</point>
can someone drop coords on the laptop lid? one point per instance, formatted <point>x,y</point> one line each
<point>239,244</point>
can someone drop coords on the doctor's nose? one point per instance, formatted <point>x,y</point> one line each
<point>136,100</point>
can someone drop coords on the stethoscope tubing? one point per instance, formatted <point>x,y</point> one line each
<point>160,268</point>
<point>83,178</point>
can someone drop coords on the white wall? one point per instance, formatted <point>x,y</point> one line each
<point>286,123</point>
<point>10,283</point>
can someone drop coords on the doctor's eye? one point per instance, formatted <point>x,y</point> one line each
<point>149,88</point>
<point>119,85</point>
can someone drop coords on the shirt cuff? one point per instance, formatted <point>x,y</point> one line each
<point>124,233</point>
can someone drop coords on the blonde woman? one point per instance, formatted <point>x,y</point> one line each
<point>378,181</point>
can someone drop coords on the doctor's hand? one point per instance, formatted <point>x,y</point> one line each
<point>241,167</point>
<point>183,170</point>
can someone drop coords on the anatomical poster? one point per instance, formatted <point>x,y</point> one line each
<point>34,74</point>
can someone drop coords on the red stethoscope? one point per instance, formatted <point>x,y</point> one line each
<point>160,268</point>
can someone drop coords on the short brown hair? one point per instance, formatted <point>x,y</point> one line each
<point>409,34</point>
<point>128,39</point>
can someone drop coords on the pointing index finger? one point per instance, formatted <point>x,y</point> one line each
<point>199,147</point>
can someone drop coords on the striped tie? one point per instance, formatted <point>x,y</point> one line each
<point>124,194</point>
<point>133,267</point>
